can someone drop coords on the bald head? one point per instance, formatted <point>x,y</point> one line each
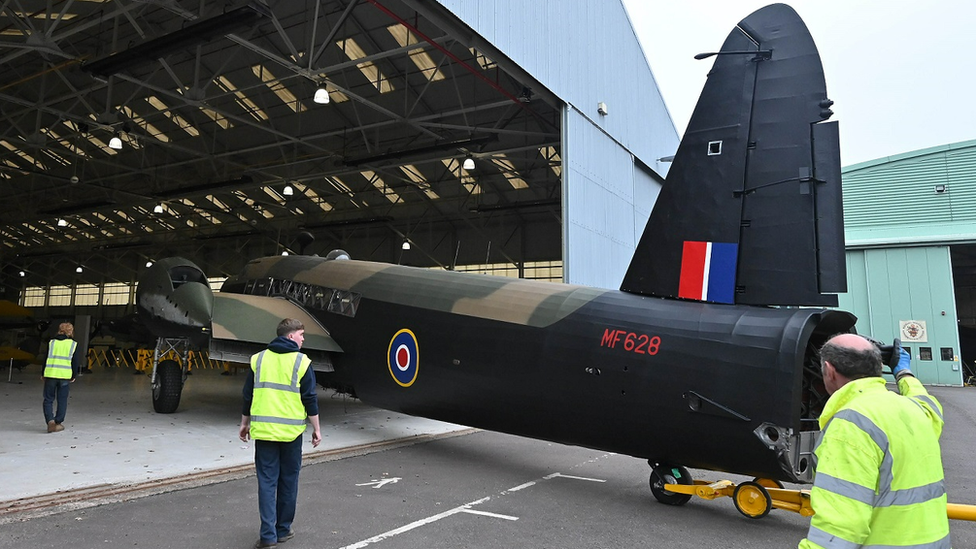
<point>852,356</point>
<point>853,342</point>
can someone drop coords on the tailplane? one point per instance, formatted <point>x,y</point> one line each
<point>751,211</point>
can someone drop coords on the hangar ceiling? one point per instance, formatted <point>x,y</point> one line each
<point>213,103</point>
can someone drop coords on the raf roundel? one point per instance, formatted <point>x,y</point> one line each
<point>403,357</point>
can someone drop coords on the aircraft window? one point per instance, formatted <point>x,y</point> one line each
<point>344,302</point>
<point>925,353</point>
<point>714,148</point>
<point>947,353</point>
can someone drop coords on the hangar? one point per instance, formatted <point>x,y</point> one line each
<point>911,256</point>
<point>448,134</point>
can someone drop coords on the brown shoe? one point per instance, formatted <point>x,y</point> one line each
<point>51,426</point>
<point>58,427</point>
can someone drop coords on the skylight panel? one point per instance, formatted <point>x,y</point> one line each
<point>555,162</point>
<point>253,205</point>
<point>508,170</point>
<point>224,84</point>
<point>177,119</point>
<point>381,186</point>
<point>141,122</point>
<point>314,197</point>
<point>64,142</point>
<point>274,195</point>
<point>420,58</point>
<point>33,161</point>
<point>220,119</point>
<point>482,59</point>
<point>372,73</point>
<point>413,174</point>
<point>278,88</point>
<point>467,180</point>
<point>101,145</point>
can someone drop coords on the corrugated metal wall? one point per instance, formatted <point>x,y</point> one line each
<point>887,286</point>
<point>894,200</point>
<point>585,52</point>
<point>606,202</point>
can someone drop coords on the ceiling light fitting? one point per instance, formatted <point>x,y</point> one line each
<point>158,209</point>
<point>62,222</point>
<point>468,163</point>
<point>79,270</point>
<point>406,244</point>
<point>321,96</point>
<point>115,142</point>
<point>288,191</point>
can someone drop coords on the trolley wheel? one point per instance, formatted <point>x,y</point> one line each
<point>662,474</point>
<point>768,483</point>
<point>168,388</point>
<point>752,500</point>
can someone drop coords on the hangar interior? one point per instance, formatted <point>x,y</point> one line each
<point>429,152</point>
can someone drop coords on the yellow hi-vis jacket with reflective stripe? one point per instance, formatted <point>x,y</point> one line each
<point>277,412</point>
<point>879,479</point>
<point>58,363</point>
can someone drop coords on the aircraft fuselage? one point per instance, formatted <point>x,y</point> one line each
<point>668,380</point>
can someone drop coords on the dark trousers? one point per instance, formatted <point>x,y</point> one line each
<point>277,465</point>
<point>55,389</point>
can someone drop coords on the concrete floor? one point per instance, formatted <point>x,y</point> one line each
<point>123,476</point>
<point>113,439</point>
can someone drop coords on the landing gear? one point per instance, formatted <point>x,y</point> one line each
<point>168,376</point>
<point>663,474</point>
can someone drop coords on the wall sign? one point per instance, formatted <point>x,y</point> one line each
<point>913,331</point>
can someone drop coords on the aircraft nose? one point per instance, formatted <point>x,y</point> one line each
<point>194,304</point>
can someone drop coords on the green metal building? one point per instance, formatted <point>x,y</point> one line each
<point>910,227</point>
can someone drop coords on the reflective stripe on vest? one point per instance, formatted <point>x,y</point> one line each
<point>58,363</point>
<point>277,412</point>
<point>830,541</point>
<point>905,484</point>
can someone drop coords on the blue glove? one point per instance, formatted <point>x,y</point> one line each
<point>900,360</point>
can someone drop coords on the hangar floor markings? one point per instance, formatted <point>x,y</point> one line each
<point>467,507</point>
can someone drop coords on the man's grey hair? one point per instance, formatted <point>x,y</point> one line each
<point>852,363</point>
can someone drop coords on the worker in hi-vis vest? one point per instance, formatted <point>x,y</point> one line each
<point>879,479</point>
<point>64,360</point>
<point>279,393</point>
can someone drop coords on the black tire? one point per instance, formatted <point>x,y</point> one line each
<point>752,500</point>
<point>662,474</point>
<point>168,387</point>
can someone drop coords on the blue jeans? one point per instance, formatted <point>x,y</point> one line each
<point>55,389</point>
<point>277,465</point>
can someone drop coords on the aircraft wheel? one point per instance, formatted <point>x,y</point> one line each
<point>666,474</point>
<point>752,500</point>
<point>768,482</point>
<point>168,387</point>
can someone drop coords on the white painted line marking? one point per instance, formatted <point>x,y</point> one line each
<point>413,525</point>
<point>380,483</point>
<point>466,508</point>
<point>521,486</point>
<point>554,475</point>
<point>487,514</point>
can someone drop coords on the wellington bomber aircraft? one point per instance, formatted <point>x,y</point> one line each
<point>704,358</point>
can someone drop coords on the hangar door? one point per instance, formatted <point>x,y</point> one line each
<point>908,293</point>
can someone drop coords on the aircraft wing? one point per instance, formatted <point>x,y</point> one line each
<point>245,324</point>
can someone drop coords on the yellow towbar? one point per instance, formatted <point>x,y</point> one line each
<point>756,498</point>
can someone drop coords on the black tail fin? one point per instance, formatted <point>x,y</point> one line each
<point>751,210</point>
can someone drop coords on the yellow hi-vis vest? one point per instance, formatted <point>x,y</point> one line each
<point>879,478</point>
<point>59,353</point>
<point>277,412</point>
